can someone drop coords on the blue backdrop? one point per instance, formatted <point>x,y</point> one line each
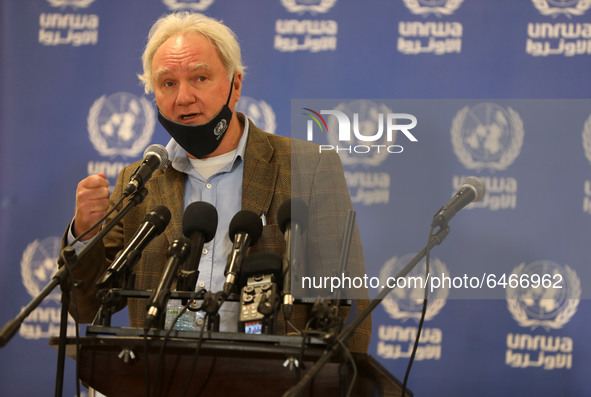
<point>499,88</point>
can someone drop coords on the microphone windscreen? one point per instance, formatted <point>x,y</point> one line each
<point>159,217</point>
<point>476,184</point>
<point>202,217</point>
<point>293,210</point>
<point>246,222</point>
<point>159,151</point>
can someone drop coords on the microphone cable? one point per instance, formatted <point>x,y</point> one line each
<point>196,356</point>
<point>113,208</point>
<point>308,333</point>
<point>422,318</point>
<point>167,337</point>
<point>72,287</point>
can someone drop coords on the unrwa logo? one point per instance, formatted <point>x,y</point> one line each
<point>71,3</point>
<point>406,300</point>
<point>567,7</point>
<point>437,7</point>
<point>313,7</point>
<point>370,134</point>
<point>121,124</point>
<point>487,136</point>
<point>543,294</point>
<point>195,5</point>
<point>259,111</point>
<point>39,264</point>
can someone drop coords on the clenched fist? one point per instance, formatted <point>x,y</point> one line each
<point>92,203</point>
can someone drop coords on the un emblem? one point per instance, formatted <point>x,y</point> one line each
<point>437,7</point>
<point>121,124</point>
<point>587,138</point>
<point>39,264</point>
<point>313,7</point>
<point>196,5</point>
<point>71,3</point>
<point>367,117</point>
<point>567,7</point>
<point>260,112</point>
<point>547,296</point>
<point>487,136</point>
<point>405,301</point>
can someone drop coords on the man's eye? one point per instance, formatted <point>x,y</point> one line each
<point>168,84</point>
<point>201,78</point>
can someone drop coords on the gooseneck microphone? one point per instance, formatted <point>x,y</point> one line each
<point>200,222</point>
<point>293,219</point>
<point>472,189</point>
<point>154,223</point>
<point>155,156</point>
<point>177,253</point>
<point>245,229</point>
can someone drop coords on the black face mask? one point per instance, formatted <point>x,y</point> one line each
<point>200,140</point>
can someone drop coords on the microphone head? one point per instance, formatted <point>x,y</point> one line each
<point>246,222</point>
<point>158,151</point>
<point>293,210</point>
<point>201,217</point>
<point>476,184</point>
<point>159,217</point>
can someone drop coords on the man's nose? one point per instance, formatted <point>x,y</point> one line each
<point>186,94</point>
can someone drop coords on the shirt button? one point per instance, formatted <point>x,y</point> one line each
<point>204,252</point>
<point>201,284</point>
<point>208,185</point>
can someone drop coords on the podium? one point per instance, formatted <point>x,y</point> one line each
<point>117,361</point>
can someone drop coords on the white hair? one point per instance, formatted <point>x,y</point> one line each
<point>222,38</point>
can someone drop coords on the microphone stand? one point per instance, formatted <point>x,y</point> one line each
<point>346,333</point>
<point>69,260</point>
<point>325,312</point>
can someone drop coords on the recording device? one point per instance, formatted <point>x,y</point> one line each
<point>259,297</point>
<point>155,156</point>
<point>154,223</point>
<point>177,253</point>
<point>245,229</point>
<point>293,219</point>
<point>200,222</point>
<point>472,189</point>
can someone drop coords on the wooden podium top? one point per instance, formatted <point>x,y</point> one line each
<point>220,364</point>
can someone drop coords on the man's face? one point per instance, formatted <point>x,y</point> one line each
<point>190,82</point>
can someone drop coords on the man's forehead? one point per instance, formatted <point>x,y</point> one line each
<point>194,67</point>
<point>189,50</point>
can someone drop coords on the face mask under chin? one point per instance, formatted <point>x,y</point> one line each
<point>199,140</point>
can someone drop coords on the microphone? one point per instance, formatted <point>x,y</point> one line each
<point>200,222</point>
<point>293,219</point>
<point>245,229</point>
<point>154,223</point>
<point>155,156</point>
<point>177,252</point>
<point>472,189</point>
<point>260,280</point>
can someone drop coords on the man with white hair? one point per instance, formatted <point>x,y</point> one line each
<point>193,65</point>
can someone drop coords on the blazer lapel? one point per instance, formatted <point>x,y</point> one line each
<point>169,190</point>
<point>260,174</point>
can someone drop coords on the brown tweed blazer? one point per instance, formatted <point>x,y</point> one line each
<point>271,176</point>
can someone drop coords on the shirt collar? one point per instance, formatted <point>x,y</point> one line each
<point>180,161</point>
